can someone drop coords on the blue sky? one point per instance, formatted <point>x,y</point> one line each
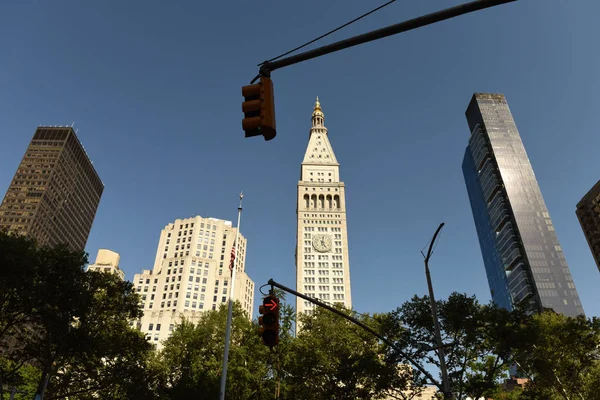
<point>154,89</point>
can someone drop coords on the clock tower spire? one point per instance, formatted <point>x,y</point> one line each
<point>322,265</point>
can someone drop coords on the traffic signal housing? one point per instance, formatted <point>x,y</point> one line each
<point>269,321</point>
<point>259,109</point>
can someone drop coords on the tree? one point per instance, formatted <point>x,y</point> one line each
<point>191,359</point>
<point>17,261</point>
<point>335,359</point>
<point>71,325</point>
<point>476,340</point>
<point>560,355</point>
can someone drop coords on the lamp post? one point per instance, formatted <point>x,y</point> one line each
<point>436,323</point>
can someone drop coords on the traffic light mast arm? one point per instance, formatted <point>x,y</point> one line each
<point>268,66</point>
<point>365,327</point>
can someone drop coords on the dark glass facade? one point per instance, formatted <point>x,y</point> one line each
<point>588,213</point>
<point>524,262</point>
<point>55,192</point>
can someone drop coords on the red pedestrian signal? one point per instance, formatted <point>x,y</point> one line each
<point>269,321</point>
<point>259,109</point>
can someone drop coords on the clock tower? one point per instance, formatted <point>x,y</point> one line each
<point>322,265</point>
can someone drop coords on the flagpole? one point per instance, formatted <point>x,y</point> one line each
<point>230,311</point>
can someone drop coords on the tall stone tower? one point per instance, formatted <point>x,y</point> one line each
<point>322,265</point>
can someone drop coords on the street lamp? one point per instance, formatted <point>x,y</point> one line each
<point>436,324</point>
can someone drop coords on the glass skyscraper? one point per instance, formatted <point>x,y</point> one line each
<point>523,259</point>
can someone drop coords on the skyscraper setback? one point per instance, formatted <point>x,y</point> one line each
<point>55,192</point>
<point>524,262</point>
<point>191,275</point>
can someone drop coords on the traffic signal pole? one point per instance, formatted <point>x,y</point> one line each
<point>365,327</point>
<point>268,66</point>
<point>259,104</point>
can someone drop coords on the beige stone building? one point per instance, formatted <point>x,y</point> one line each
<point>107,261</point>
<point>191,275</point>
<point>424,393</point>
<point>322,265</point>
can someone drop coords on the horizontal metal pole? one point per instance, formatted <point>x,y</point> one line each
<point>365,327</point>
<point>415,23</point>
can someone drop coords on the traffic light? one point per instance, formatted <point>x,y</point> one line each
<point>259,109</point>
<point>269,321</point>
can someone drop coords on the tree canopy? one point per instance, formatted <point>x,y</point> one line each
<point>68,333</point>
<point>68,327</point>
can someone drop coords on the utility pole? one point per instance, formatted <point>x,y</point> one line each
<point>436,324</point>
<point>230,310</point>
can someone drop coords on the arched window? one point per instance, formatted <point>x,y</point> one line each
<point>306,201</point>
<point>321,201</point>
<point>313,203</point>
<point>336,201</point>
<point>328,201</point>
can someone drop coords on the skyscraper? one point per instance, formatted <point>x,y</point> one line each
<point>322,265</point>
<point>588,213</point>
<point>55,192</point>
<point>191,274</point>
<point>522,256</point>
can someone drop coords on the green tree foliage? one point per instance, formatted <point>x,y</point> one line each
<point>329,359</point>
<point>476,340</point>
<point>335,359</point>
<point>561,355</point>
<point>68,332</point>
<point>71,325</point>
<point>191,359</point>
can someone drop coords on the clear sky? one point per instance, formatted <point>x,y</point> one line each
<point>154,89</point>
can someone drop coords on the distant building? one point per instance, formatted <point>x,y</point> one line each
<point>322,261</point>
<point>414,393</point>
<point>588,213</point>
<point>55,192</point>
<point>424,393</point>
<point>107,261</point>
<point>514,383</point>
<point>523,259</point>
<point>191,275</point>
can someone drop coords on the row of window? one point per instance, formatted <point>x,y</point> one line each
<point>338,250</point>
<point>335,215</point>
<point>323,272</point>
<point>321,229</point>
<point>308,304</point>
<point>326,296</point>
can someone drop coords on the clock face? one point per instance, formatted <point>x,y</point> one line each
<point>322,243</point>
